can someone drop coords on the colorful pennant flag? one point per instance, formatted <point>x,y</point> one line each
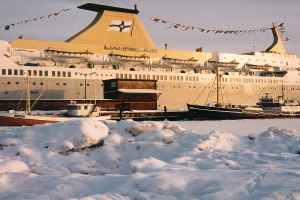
<point>7,27</point>
<point>218,31</point>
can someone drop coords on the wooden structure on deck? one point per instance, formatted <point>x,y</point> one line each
<point>132,94</point>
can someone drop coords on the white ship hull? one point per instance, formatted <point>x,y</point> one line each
<point>175,94</point>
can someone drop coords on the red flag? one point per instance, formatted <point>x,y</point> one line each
<point>156,20</point>
<point>164,21</point>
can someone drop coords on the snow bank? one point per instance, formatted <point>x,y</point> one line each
<point>218,140</point>
<point>165,136</point>
<point>87,159</point>
<point>136,128</point>
<point>146,165</point>
<point>13,166</point>
<point>277,140</point>
<point>74,134</point>
<point>65,136</point>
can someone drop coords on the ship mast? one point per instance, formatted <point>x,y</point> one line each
<point>28,95</point>
<point>218,83</point>
<point>282,91</point>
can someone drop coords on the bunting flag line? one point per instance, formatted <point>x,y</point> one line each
<point>203,30</point>
<point>8,26</point>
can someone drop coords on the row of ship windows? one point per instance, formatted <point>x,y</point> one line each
<point>258,60</point>
<point>78,73</point>
<point>162,86</point>
<point>31,92</point>
<point>34,83</point>
<point>44,73</point>
<point>41,83</point>
<point>20,72</point>
<point>224,88</point>
<point>193,78</point>
<point>194,87</point>
<point>140,76</point>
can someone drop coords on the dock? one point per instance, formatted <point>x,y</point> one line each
<point>148,115</point>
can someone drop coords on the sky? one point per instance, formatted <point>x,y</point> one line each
<point>212,14</point>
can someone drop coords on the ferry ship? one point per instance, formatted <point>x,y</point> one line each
<point>115,45</point>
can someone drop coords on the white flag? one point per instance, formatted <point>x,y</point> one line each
<point>120,26</point>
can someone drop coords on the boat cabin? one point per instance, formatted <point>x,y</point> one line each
<point>271,102</point>
<point>82,110</point>
<point>278,104</point>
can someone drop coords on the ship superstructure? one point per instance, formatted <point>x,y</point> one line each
<point>116,46</point>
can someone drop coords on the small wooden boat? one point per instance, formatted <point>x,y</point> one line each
<point>74,111</point>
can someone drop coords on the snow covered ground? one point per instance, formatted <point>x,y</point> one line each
<point>88,160</point>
